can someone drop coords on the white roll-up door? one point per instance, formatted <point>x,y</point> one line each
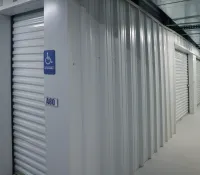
<point>28,95</point>
<point>182,91</point>
<point>198,82</point>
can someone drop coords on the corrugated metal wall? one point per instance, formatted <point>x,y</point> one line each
<point>198,81</point>
<point>122,87</point>
<point>180,41</point>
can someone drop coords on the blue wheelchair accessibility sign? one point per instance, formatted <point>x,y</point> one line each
<point>49,62</point>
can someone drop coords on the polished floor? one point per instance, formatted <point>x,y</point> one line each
<point>181,155</point>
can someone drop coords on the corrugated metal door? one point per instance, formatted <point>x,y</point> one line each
<point>182,81</point>
<point>28,94</point>
<point>198,82</point>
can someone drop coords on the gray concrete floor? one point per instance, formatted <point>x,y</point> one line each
<point>181,155</point>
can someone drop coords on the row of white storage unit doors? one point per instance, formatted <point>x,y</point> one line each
<point>28,93</point>
<point>182,84</point>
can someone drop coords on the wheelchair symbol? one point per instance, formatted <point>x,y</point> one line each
<point>48,60</point>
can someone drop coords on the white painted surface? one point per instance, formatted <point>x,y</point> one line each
<point>171,46</point>
<point>103,124</point>
<point>5,97</point>
<point>91,131</point>
<point>181,155</point>
<point>184,47</point>
<point>12,8</point>
<point>6,2</point>
<point>58,86</point>
<point>198,81</point>
<point>192,83</point>
<point>28,94</point>
<point>182,82</point>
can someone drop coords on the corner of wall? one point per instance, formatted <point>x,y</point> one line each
<point>192,84</point>
<point>5,96</point>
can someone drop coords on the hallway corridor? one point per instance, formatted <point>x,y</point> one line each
<point>181,155</point>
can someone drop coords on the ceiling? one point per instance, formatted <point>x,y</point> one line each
<point>185,13</point>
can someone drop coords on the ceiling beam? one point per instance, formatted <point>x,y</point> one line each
<point>186,27</point>
<point>190,27</point>
<point>162,17</point>
<point>176,2</point>
<point>186,17</point>
<point>192,34</point>
<point>187,23</point>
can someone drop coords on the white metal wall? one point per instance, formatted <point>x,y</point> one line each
<point>182,83</point>
<point>5,94</point>
<point>28,95</point>
<point>198,81</point>
<point>122,81</point>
